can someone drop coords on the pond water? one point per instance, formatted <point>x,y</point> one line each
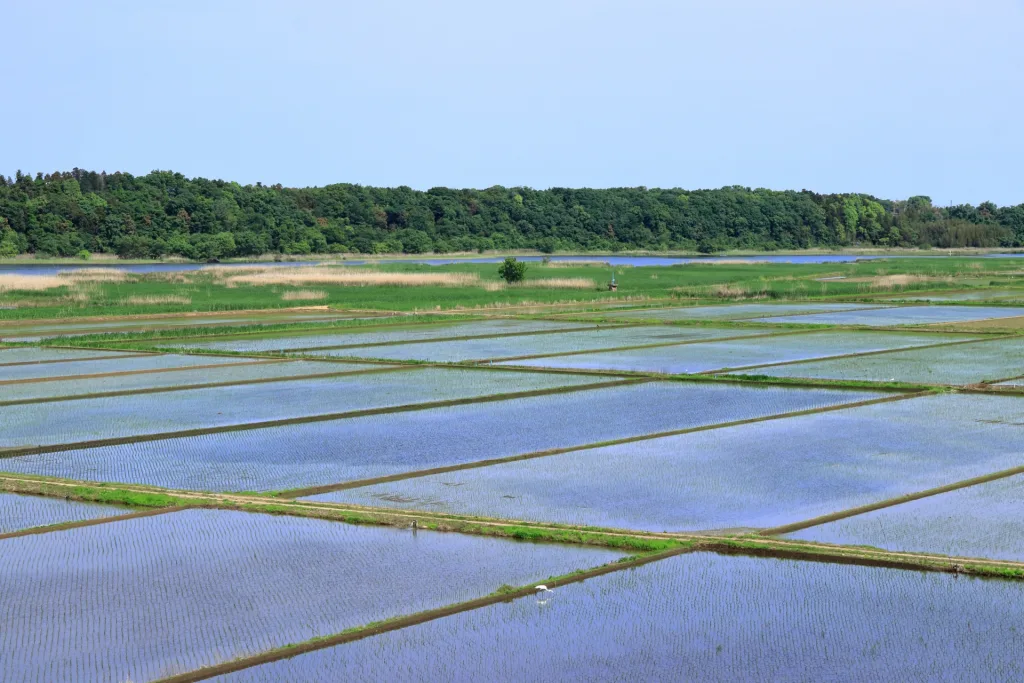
<point>52,269</point>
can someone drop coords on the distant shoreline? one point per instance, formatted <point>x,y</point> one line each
<point>111,259</point>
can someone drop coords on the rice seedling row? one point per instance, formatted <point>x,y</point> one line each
<point>977,521</point>
<point>902,315</point>
<point>25,512</point>
<point>324,453</point>
<point>959,364</point>
<point>737,353</point>
<point>35,425</point>
<point>31,332</point>
<point>759,475</point>
<point>75,595</point>
<point>380,336</point>
<point>105,365</point>
<point>180,379</point>
<point>28,354</point>
<point>733,311</point>
<point>703,617</point>
<point>568,342</point>
<point>974,295</point>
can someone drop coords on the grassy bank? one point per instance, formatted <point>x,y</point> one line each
<point>461,286</point>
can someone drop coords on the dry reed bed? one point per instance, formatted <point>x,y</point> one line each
<point>16,282</point>
<point>94,275</point>
<point>30,283</point>
<point>342,276</point>
<point>891,282</point>
<point>362,277</point>
<point>720,291</point>
<point>304,295</point>
<point>573,264</point>
<point>156,300</point>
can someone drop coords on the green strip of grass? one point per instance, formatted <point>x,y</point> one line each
<point>227,332</point>
<point>636,543</point>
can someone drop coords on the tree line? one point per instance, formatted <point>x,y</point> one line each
<point>165,213</point>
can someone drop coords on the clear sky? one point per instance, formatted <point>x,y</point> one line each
<point>888,97</point>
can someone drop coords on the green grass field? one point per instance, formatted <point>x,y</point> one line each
<point>159,293</point>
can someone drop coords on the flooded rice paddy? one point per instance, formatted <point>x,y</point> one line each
<point>15,356</point>
<point>233,370</point>
<point>566,342</point>
<point>322,453</point>
<point>18,512</point>
<point>563,448</point>
<point>124,416</point>
<point>704,617</point>
<point>988,360</point>
<point>734,311</point>
<point>102,365</point>
<point>738,353</point>
<point>151,597</point>
<point>22,331</point>
<point>903,315</point>
<point>760,475</point>
<point>383,335</point>
<point>978,521</point>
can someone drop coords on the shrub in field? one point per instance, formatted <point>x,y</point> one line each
<point>511,270</point>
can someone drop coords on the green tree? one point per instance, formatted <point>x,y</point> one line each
<point>164,212</point>
<point>8,243</point>
<point>511,270</point>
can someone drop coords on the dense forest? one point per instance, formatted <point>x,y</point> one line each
<point>164,213</point>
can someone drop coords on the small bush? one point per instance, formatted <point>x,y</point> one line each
<point>511,270</point>
<point>83,255</point>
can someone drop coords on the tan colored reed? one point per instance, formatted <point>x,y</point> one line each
<point>94,275</point>
<point>304,295</point>
<point>572,264</point>
<point>356,277</point>
<point>14,282</point>
<point>154,300</point>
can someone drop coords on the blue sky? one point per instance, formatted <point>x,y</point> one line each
<point>889,97</point>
